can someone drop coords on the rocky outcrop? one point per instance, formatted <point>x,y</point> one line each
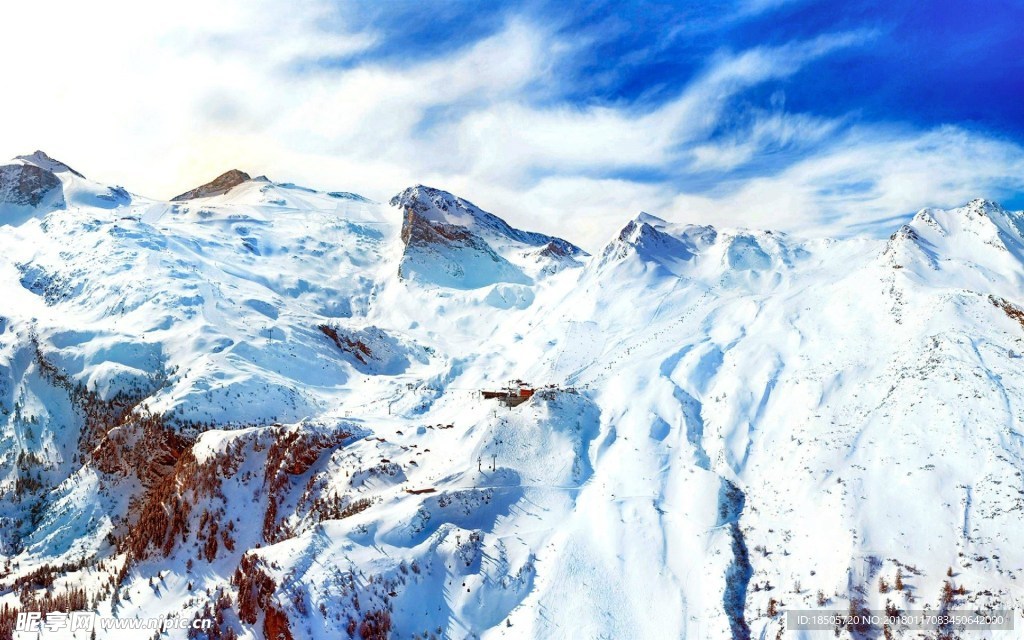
<point>417,230</point>
<point>451,242</point>
<point>451,255</point>
<point>27,185</point>
<point>256,591</point>
<point>439,206</point>
<point>221,184</point>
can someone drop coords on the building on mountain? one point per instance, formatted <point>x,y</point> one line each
<point>516,393</point>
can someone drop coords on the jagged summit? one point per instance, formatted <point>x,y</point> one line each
<point>980,218</point>
<point>451,242</point>
<point>219,185</point>
<point>655,238</point>
<point>977,209</point>
<point>979,232</point>
<point>438,206</point>
<point>983,205</point>
<point>43,161</point>
<point>647,218</point>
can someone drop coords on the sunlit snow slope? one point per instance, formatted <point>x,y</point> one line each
<point>260,403</point>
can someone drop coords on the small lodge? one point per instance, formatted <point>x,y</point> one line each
<point>516,393</point>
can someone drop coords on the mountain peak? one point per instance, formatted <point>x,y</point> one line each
<point>983,203</point>
<point>435,204</point>
<point>966,232</point>
<point>40,159</point>
<point>654,238</point>
<point>219,185</point>
<point>452,242</point>
<point>439,206</point>
<point>980,207</point>
<point>647,218</point>
<point>978,216</point>
<point>642,234</point>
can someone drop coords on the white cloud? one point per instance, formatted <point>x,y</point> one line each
<point>862,180</point>
<point>133,92</point>
<point>766,132</point>
<point>162,96</point>
<point>748,7</point>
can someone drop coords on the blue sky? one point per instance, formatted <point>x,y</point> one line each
<point>929,63</point>
<point>811,117</point>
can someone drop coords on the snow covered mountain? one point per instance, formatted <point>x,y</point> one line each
<point>260,404</point>
<point>451,242</point>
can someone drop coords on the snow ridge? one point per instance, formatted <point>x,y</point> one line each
<point>261,403</point>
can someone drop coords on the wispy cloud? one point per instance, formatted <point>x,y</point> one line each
<point>749,7</point>
<point>862,179</point>
<point>161,97</point>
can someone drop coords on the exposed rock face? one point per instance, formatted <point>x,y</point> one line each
<point>221,184</point>
<point>418,230</point>
<point>26,184</point>
<point>555,250</point>
<point>451,242</point>
<point>451,255</point>
<point>436,206</point>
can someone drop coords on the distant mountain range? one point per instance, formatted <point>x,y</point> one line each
<point>261,404</point>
